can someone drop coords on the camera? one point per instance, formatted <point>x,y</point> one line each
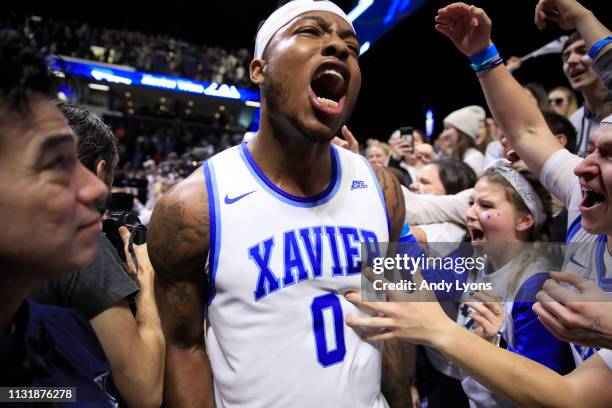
<point>121,215</point>
<point>406,133</point>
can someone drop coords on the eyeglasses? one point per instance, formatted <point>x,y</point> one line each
<point>556,101</point>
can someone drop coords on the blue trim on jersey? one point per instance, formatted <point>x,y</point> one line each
<point>306,202</point>
<point>604,283</point>
<point>380,193</point>
<point>573,229</point>
<point>215,225</point>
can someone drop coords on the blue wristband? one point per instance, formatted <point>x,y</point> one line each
<point>598,46</point>
<point>485,55</point>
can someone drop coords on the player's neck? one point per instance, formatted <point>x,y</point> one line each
<point>298,167</point>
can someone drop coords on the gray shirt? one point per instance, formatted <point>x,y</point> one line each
<point>92,290</point>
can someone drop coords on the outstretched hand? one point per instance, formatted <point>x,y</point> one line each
<point>468,27</point>
<point>582,318</point>
<point>413,317</point>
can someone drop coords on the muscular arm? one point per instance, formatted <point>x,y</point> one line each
<point>525,382</point>
<point>178,247</point>
<point>398,358</point>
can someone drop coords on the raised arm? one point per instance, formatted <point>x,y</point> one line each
<point>469,28</point>
<point>178,247</point>
<point>571,15</point>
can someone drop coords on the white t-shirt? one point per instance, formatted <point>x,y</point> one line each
<point>606,355</point>
<point>493,152</point>
<point>443,232</point>
<point>585,254</point>
<point>426,209</point>
<point>585,126</point>
<point>503,284</point>
<point>475,160</point>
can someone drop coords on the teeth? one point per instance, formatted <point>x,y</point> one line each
<point>330,72</point>
<point>328,102</point>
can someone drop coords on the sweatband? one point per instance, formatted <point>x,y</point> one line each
<point>286,14</point>
<point>598,46</point>
<point>485,55</point>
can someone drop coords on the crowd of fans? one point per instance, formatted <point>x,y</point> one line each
<point>518,178</point>
<point>159,54</point>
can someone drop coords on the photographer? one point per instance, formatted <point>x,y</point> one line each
<point>49,226</point>
<point>134,344</point>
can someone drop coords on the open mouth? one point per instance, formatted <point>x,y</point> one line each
<point>591,198</point>
<point>577,72</point>
<point>476,234</point>
<point>328,87</point>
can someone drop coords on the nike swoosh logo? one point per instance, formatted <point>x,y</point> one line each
<point>229,200</point>
<point>572,260</point>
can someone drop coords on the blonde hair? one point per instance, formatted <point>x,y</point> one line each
<point>537,236</point>
<point>382,145</point>
<point>572,102</point>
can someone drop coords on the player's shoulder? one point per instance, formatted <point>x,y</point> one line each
<point>179,231</point>
<point>189,194</point>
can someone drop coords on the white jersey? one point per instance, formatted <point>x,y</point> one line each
<point>279,266</point>
<point>586,253</point>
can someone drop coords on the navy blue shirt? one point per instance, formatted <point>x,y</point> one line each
<point>48,346</point>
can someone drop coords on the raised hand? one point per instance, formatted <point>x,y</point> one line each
<point>349,142</point>
<point>563,12</point>
<point>468,27</point>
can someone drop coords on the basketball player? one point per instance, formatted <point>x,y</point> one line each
<point>278,223</point>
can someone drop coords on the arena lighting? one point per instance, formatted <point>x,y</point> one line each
<point>253,104</point>
<point>129,76</point>
<point>397,7</point>
<point>362,6</point>
<point>99,87</point>
<point>109,77</point>
<point>364,47</point>
<point>429,122</point>
<point>373,19</point>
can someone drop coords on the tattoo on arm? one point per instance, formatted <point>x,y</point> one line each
<point>394,199</point>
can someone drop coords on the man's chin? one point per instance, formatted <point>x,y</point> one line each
<point>318,131</point>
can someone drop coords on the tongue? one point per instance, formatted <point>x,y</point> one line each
<point>328,86</point>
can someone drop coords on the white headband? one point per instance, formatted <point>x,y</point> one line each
<point>525,190</point>
<point>288,12</point>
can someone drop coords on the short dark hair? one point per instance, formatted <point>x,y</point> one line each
<point>560,124</point>
<point>575,36</point>
<point>539,93</point>
<point>455,175</point>
<point>95,140</point>
<point>23,74</point>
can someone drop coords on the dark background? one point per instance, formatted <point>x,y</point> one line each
<point>410,69</point>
